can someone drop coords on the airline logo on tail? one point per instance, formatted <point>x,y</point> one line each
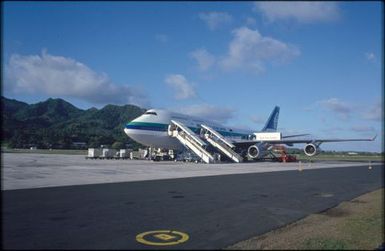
<point>272,122</point>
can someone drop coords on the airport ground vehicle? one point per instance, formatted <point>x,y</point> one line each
<point>281,155</point>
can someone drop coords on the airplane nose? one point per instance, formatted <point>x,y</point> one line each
<point>131,130</point>
<point>129,125</point>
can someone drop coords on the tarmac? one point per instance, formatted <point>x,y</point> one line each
<point>210,212</point>
<point>21,171</point>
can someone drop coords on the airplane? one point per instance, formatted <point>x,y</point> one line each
<point>152,129</point>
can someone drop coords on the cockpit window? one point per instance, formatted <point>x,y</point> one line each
<point>151,113</point>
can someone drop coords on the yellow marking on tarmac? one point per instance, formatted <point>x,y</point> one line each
<point>165,237</point>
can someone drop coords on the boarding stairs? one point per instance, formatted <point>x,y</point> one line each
<point>190,140</point>
<point>220,143</point>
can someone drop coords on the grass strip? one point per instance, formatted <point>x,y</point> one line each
<point>356,224</point>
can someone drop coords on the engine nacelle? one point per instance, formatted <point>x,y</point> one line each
<point>311,149</point>
<point>256,151</point>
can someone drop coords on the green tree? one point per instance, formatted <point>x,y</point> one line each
<point>117,145</point>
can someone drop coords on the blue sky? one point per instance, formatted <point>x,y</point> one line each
<point>321,62</point>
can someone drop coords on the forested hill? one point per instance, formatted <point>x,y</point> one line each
<point>55,123</point>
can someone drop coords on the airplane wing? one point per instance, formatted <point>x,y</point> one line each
<point>295,135</point>
<point>290,142</point>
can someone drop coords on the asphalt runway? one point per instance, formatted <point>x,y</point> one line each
<point>214,211</point>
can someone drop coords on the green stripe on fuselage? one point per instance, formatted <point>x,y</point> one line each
<point>194,129</point>
<point>149,124</point>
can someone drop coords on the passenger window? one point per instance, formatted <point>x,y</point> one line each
<point>151,113</point>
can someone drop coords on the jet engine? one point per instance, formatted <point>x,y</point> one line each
<point>256,151</point>
<point>311,149</point>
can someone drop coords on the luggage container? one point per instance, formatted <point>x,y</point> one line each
<point>124,153</point>
<point>93,153</point>
<point>108,153</point>
<point>134,155</point>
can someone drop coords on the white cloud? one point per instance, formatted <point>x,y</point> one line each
<point>374,112</point>
<point>162,38</point>
<point>250,21</point>
<point>257,119</point>
<point>333,129</point>
<point>370,56</point>
<point>204,58</point>
<point>215,20</point>
<point>65,77</point>
<point>360,128</point>
<point>304,12</point>
<point>337,106</point>
<point>183,89</point>
<point>215,113</point>
<point>250,50</point>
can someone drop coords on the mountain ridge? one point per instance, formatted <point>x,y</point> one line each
<point>56,123</point>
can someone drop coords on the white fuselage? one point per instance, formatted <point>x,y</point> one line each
<point>150,129</point>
